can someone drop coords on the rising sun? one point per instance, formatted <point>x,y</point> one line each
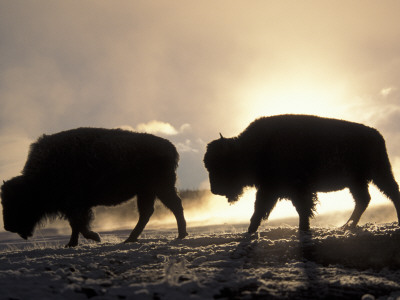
<point>302,97</point>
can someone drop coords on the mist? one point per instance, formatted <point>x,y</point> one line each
<point>187,71</point>
<point>212,67</point>
<point>202,208</point>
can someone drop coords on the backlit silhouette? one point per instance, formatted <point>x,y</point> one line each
<point>296,156</point>
<point>70,172</point>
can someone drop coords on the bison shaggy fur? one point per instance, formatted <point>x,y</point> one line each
<point>296,156</point>
<point>68,173</point>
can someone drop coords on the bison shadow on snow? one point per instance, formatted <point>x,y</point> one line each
<point>294,157</point>
<point>68,173</point>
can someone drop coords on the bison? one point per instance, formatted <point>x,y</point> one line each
<point>68,173</point>
<point>294,157</point>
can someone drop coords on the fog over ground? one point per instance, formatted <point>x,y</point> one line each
<point>189,70</point>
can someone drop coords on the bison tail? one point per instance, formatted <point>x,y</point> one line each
<point>382,175</point>
<point>386,183</point>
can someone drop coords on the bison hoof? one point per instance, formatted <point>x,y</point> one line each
<point>347,227</point>
<point>350,225</point>
<point>182,236</point>
<point>70,245</point>
<point>304,230</point>
<point>130,240</point>
<point>305,235</point>
<point>94,236</point>
<point>251,236</point>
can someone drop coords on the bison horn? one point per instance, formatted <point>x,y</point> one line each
<point>221,136</point>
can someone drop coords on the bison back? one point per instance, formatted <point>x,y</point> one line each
<point>307,146</point>
<point>86,155</point>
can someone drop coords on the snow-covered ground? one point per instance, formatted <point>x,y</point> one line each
<point>214,262</point>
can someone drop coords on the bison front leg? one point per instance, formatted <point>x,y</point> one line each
<point>80,223</point>
<point>172,201</point>
<point>263,206</point>
<point>73,241</point>
<point>305,205</point>
<point>145,205</point>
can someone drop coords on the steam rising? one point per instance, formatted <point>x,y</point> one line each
<point>203,208</point>
<point>216,67</point>
<point>188,70</point>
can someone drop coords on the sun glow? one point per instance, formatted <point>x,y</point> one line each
<point>303,96</point>
<point>327,203</point>
<point>220,211</point>
<point>299,99</point>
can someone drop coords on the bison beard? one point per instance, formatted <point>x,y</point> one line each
<point>70,172</point>
<point>296,156</point>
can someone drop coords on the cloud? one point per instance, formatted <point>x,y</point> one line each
<point>187,146</point>
<point>387,91</point>
<point>157,127</point>
<point>191,150</point>
<point>68,64</point>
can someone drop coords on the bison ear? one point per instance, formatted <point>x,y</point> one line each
<point>221,136</point>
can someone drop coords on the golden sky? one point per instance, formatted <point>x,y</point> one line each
<point>188,70</point>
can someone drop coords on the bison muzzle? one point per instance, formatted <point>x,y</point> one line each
<point>294,157</point>
<point>68,173</point>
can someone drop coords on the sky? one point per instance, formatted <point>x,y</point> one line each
<point>188,70</point>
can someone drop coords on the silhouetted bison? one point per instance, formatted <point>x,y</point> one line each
<point>70,172</point>
<point>296,156</point>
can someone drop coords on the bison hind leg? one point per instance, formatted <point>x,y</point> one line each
<point>172,201</point>
<point>361,197</point>
<point>145,203</point>
<point>387,185</point>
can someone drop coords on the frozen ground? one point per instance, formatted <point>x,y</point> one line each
<point>214,262</point>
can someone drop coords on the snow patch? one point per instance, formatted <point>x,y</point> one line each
<point>212,263</point>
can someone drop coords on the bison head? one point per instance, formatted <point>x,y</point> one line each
<point>19,214</point>
<point>225,167</point>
